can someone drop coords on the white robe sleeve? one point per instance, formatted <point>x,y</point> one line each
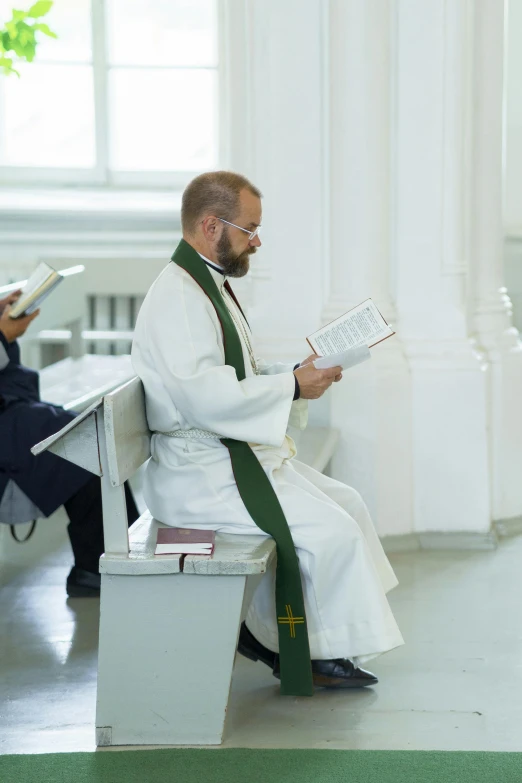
<point>299,413</point>
<point>273,369</point>
<point>178,352</point>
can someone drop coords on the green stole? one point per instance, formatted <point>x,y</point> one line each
<point>262,503</point>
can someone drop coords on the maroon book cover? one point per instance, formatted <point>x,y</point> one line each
<point>184,541</point>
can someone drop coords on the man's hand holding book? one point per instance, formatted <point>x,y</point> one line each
<point>13,328</point>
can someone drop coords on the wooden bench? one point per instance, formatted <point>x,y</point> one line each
<point>168,625</point>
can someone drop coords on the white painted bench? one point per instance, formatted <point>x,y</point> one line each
<point>168,626</point>
<point>76,383</point>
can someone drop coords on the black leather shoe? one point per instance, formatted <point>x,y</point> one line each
<point>254,650</point>
<point>83,584</point>
<point>337,673</point>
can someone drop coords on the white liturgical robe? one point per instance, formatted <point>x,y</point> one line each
<point>179,355</point>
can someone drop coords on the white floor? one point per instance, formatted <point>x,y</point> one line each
<point>456,685</point>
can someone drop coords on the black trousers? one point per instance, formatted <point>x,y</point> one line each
<point>85,528</point>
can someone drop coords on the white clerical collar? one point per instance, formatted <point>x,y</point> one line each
<point>212,264</point>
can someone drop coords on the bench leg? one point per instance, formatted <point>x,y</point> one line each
<point>166,655</point>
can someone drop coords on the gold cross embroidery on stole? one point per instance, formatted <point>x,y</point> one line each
<point>290,620</point>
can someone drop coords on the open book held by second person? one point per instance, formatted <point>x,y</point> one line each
<point>43,280</point>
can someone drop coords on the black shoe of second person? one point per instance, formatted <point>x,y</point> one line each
<point>254,650</point>
<point>83,584</point>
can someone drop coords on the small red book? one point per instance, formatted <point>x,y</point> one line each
<point>184,541</point>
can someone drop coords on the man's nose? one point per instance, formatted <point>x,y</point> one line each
<point>256,242</point>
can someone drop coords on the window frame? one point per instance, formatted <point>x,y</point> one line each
<point>100,175</point>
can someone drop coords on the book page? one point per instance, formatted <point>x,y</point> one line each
<point>180,549</point>
<point>363,325</point>
<point>345,359</point>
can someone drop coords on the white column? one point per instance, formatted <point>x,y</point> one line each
<point>275,81</point>
<point>432,187</point>
<point>491,321</point>
<point>371,406</point>
<point>513,120</point>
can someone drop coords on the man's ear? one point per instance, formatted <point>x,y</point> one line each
<point>211,227</point>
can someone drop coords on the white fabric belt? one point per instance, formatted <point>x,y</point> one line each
<point>194,433</point>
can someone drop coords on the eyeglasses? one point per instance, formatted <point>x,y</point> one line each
<point>251,234</point>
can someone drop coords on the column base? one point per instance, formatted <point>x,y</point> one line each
<point>415,442</point>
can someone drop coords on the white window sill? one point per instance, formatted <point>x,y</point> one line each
<point>89,202</point>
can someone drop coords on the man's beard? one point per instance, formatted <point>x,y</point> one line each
<point>232,265</point>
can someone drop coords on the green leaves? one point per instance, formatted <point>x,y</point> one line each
<point>40,9</point>
<point>45,30</point>
<point>12,29</point>
<point>7,63</point>
<point>18,35</point>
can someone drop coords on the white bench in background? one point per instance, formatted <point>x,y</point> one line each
<point>61,322</point>
<point>168,626</point>
<point>78,380</point>
<point>76,383</point>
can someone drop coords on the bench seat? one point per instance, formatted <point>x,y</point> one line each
<point>141,558</point>
<point>233,555</point>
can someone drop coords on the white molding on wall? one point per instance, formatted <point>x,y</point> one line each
<point>85,242</point>
<point>507,528</point>
<point>454,541</point>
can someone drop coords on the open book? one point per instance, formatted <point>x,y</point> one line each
<point>361,326</point>
<point>43,280</point>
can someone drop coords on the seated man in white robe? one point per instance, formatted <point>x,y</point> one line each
<point>196,401</point>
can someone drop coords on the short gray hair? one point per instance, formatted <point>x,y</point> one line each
<point>214,193</point>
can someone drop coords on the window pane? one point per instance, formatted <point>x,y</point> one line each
<point>69,19</point>
<point>48,117</point>
<point>163,32</point>
<point>163,120</point>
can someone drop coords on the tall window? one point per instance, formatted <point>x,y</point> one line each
<point>127,94</point>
